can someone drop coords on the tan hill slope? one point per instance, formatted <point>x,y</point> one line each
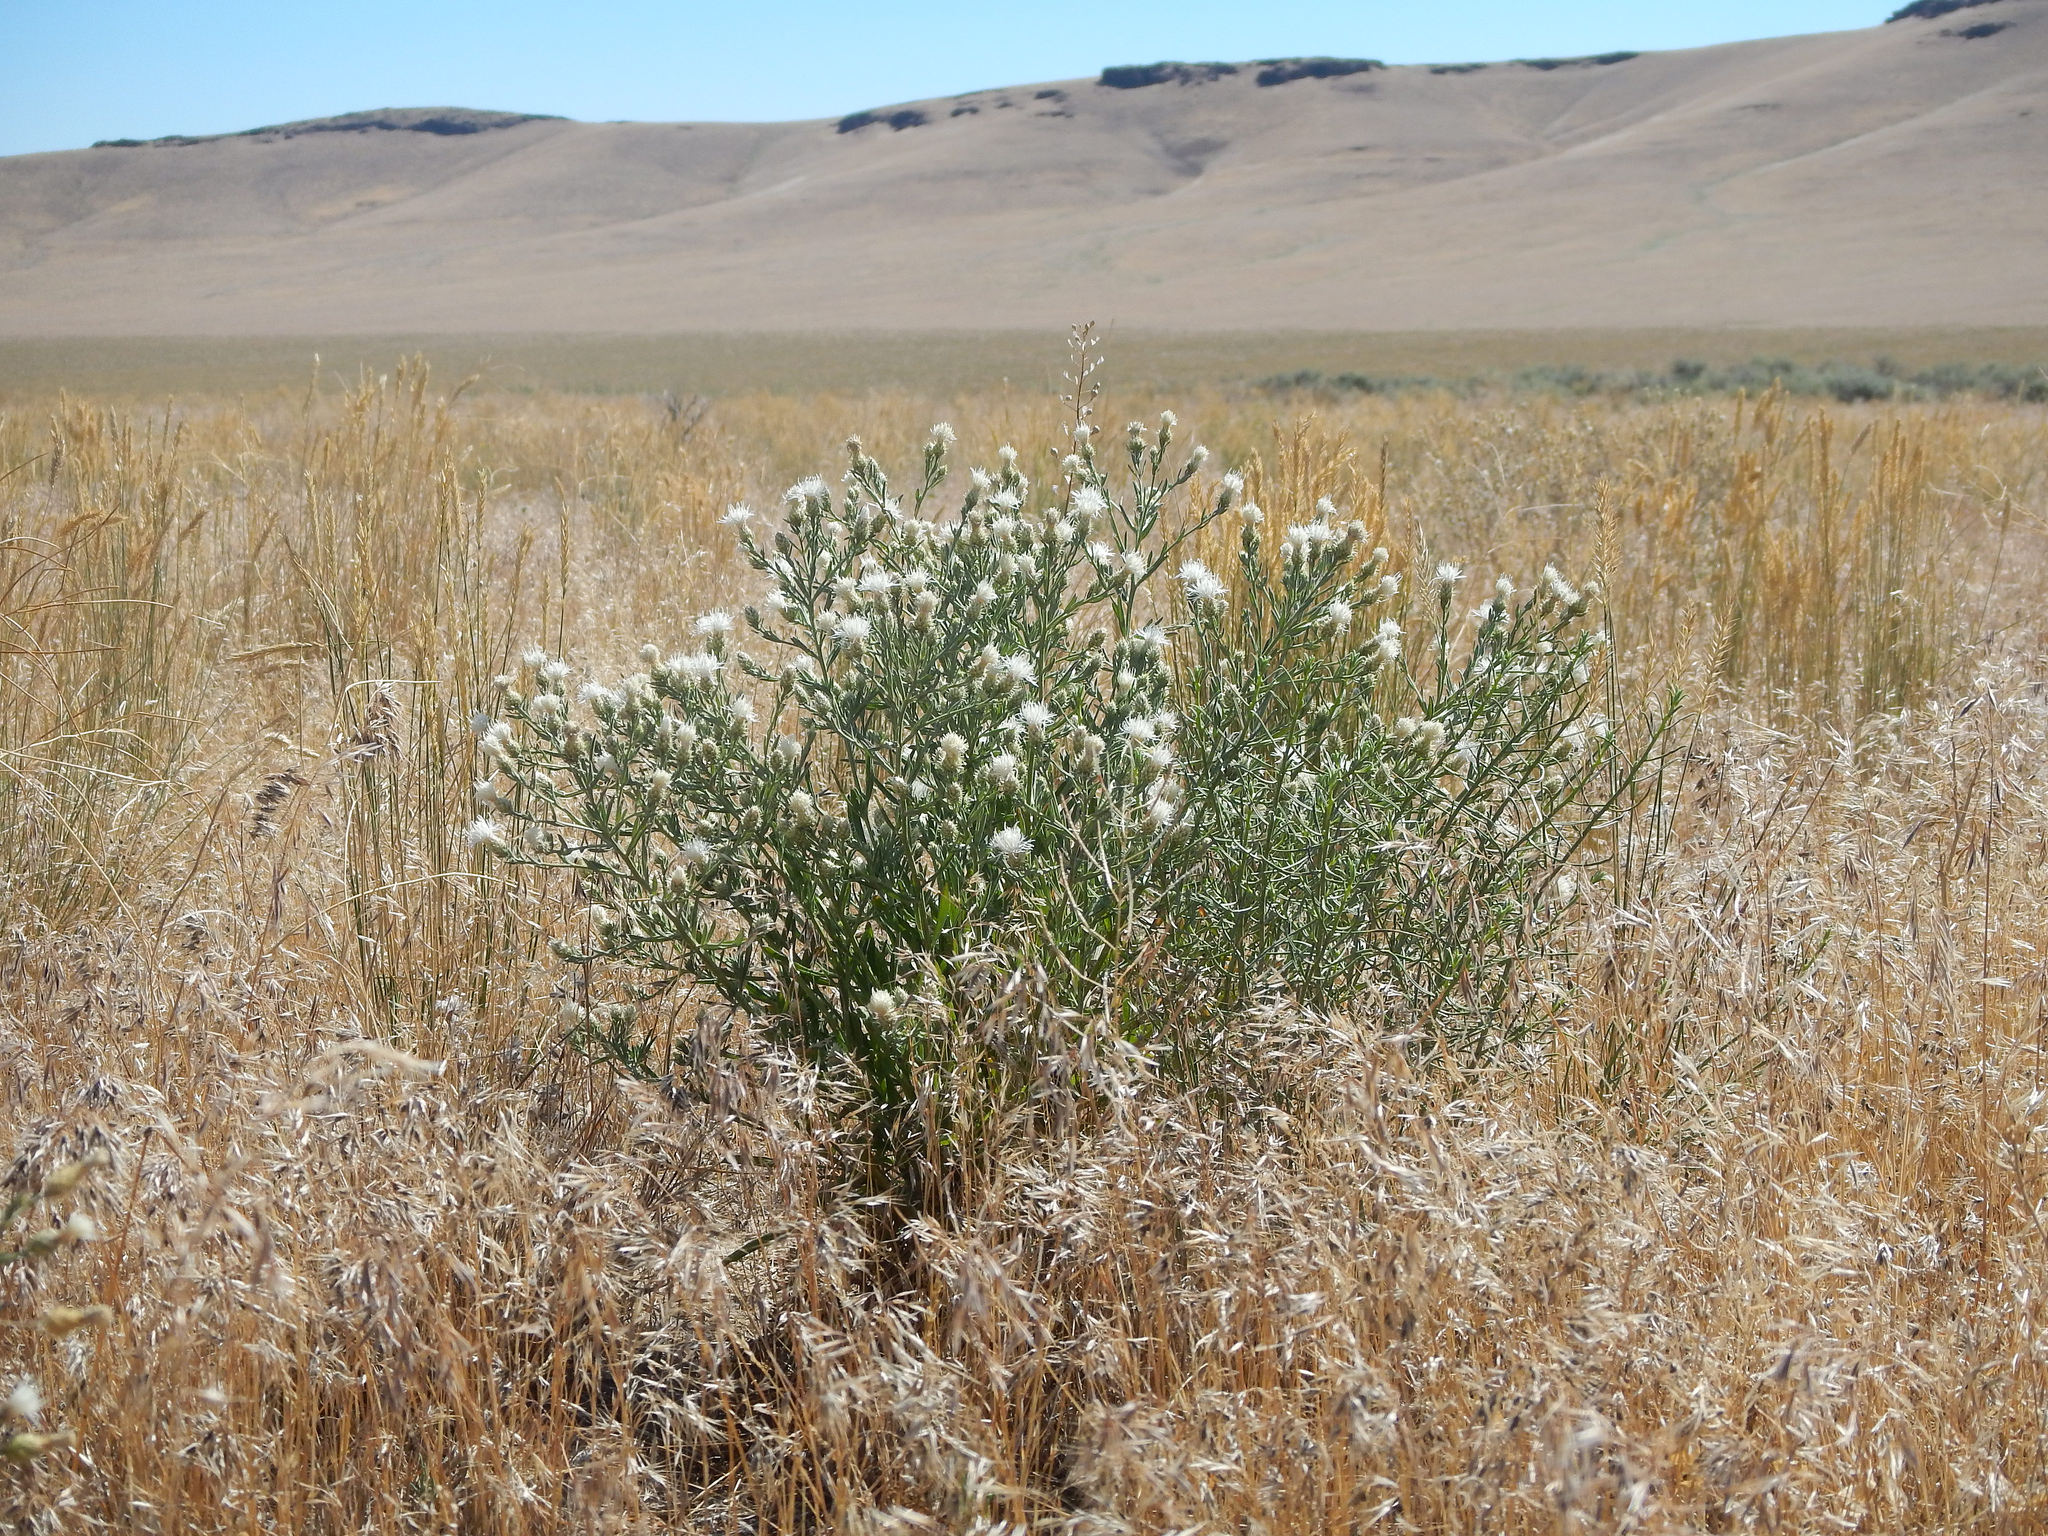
<point>1891,176</point>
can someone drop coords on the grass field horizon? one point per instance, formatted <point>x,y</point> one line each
<point>939,362</point>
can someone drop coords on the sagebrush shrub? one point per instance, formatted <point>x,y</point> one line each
<point>1038,728</point>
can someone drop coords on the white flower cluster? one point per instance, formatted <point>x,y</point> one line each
<point>1035,708</point>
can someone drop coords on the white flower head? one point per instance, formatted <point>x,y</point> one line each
<point>1034,720</point>
<point>698,667</point>
<point>741,708</point>
<point>1204,588</point>
<point>1019,670</point>
<point>738,515</point>
<point>883,1005</point>
<point>485,833</point>
<point>1389,641</point>
<point>943,434</point>
<point>1338,616</point>
<point>952,751</point>
<point>851,631</point>
<point>1011,844</point>
<point>1448,576</point>
<point>717,623</point>
<point>533,658</point>
<point>694,853</point>
<point>1305,541</point>
<point>1003,770</point>
<point>24,1405</point>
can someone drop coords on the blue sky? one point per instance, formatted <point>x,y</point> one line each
<point>79,70</point>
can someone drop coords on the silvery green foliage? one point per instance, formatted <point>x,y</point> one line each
<point>1029,726</point>
<point>1399,834</point>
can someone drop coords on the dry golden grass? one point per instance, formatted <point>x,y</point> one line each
<point>1754,1242</point>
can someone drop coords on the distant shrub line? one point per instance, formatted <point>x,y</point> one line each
<point>1132,77</point>
<point>1884,379</point>
<point>1929,10</point>
<point>907,117</point>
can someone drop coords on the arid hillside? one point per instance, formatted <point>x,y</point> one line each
<point>1870,178</point>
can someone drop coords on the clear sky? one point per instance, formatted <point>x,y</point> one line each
<point>80,70</point>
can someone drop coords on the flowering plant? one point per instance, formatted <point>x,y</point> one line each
<point>1041,727</point>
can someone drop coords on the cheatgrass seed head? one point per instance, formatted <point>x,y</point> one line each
<point>61,1322</point>
<point>72,1174</point>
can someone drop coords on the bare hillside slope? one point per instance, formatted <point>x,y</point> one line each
<point>1889,176</point>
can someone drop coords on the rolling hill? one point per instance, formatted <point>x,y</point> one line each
<point>1882,177</point>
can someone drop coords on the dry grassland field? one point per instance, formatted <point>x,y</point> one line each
<point>343,1202</point>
